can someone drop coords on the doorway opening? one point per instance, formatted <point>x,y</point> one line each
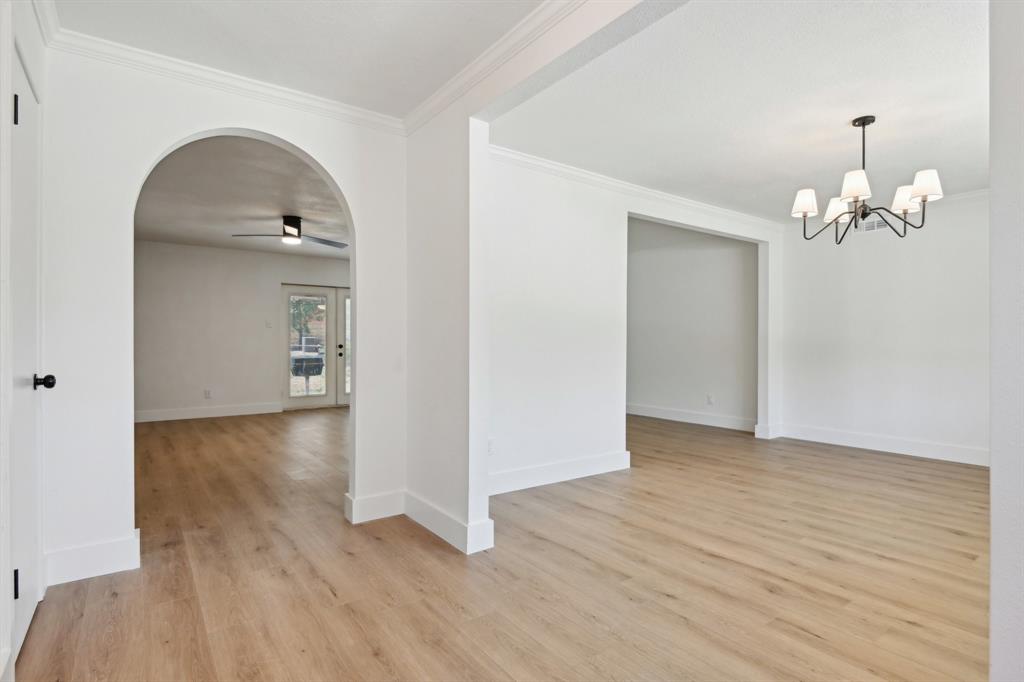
<point>215,248</point>
<point>692,326</point>
<point>245,305</point>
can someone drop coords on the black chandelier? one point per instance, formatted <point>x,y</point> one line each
<point>908,199</point>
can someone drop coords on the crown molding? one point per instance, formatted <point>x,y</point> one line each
<point>123,55</point>
<point>969,194</point>
<point>548,14</point>
<point>605,182</point>
<point>533,26</point>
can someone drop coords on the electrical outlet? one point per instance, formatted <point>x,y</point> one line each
<point>490,447</point>
<point>270,325</point>
<point>710,399</point>
<point>207,393</point>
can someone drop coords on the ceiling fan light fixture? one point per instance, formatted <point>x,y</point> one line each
<point>291,234</point>
<point>291,230</point>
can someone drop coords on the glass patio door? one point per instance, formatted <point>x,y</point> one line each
<point>310,360</point>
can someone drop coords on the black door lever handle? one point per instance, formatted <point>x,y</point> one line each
<point>49,381</point>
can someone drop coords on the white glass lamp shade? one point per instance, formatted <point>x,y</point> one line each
<point>806,204</point>
<point>288,239</point>
<point>836,207</point>
<point>926,186</point>
<point>855,186</point>
<point>901,202</point>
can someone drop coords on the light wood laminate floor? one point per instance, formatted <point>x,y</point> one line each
<point>716,557</point>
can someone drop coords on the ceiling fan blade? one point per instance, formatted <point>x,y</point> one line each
<point>325,242</point>
<point>257,235</point>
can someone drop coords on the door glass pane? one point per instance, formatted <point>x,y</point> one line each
<point>307,345</point>
<point>348,345</point>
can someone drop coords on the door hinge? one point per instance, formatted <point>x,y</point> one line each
<point>15,109</point>
<point>16,590</point>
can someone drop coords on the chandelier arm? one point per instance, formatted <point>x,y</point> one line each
<point>891,227</point>
<point>828,225</point>
<point>903,220</point>
<point>840,238</point>
<point>834,221</point>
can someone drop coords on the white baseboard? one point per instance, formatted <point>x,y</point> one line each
<point>470,538</point>
<point>963,454</point>
<point>372,507</point>
<point>88,561</point>
<point>724,421</point>
<point>767,431</point>
<point>556,472</point>
<point>205,412</point>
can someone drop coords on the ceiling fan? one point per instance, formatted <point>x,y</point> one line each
<point>291,233</point>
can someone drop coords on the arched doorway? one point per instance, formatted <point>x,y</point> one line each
<point>215,338</point>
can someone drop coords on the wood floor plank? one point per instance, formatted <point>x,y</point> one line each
<point>113,642</point>
<point>50,652</point>
<point>178,646</point>
<point>715,557</point>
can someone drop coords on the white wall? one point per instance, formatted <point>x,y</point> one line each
<point>438,341</point>
<point>191,299</point>
<point>1006,158</point>
<point>692,326</point>
<point>106,126</point>
<point>448,473</point>
<point>556,272</point>
<point>556,275</point>
<point>887,339</point>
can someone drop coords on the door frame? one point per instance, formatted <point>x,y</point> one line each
<point>343,345</point>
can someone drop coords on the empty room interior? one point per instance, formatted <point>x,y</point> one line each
<point>520,339</point>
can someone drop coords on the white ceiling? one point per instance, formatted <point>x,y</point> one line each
<point>383,56</point>
<point>739,104</point>
<point>208,190</point>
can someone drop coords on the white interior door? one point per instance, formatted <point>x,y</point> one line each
<point>343,346</point>
<point>309,354</point>
<point>26,550</point>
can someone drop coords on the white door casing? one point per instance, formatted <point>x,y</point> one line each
<point>343,346</point>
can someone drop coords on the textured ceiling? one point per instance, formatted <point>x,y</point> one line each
<point>383,56</point>
<point>208,190</point>
<point>739,104</point>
